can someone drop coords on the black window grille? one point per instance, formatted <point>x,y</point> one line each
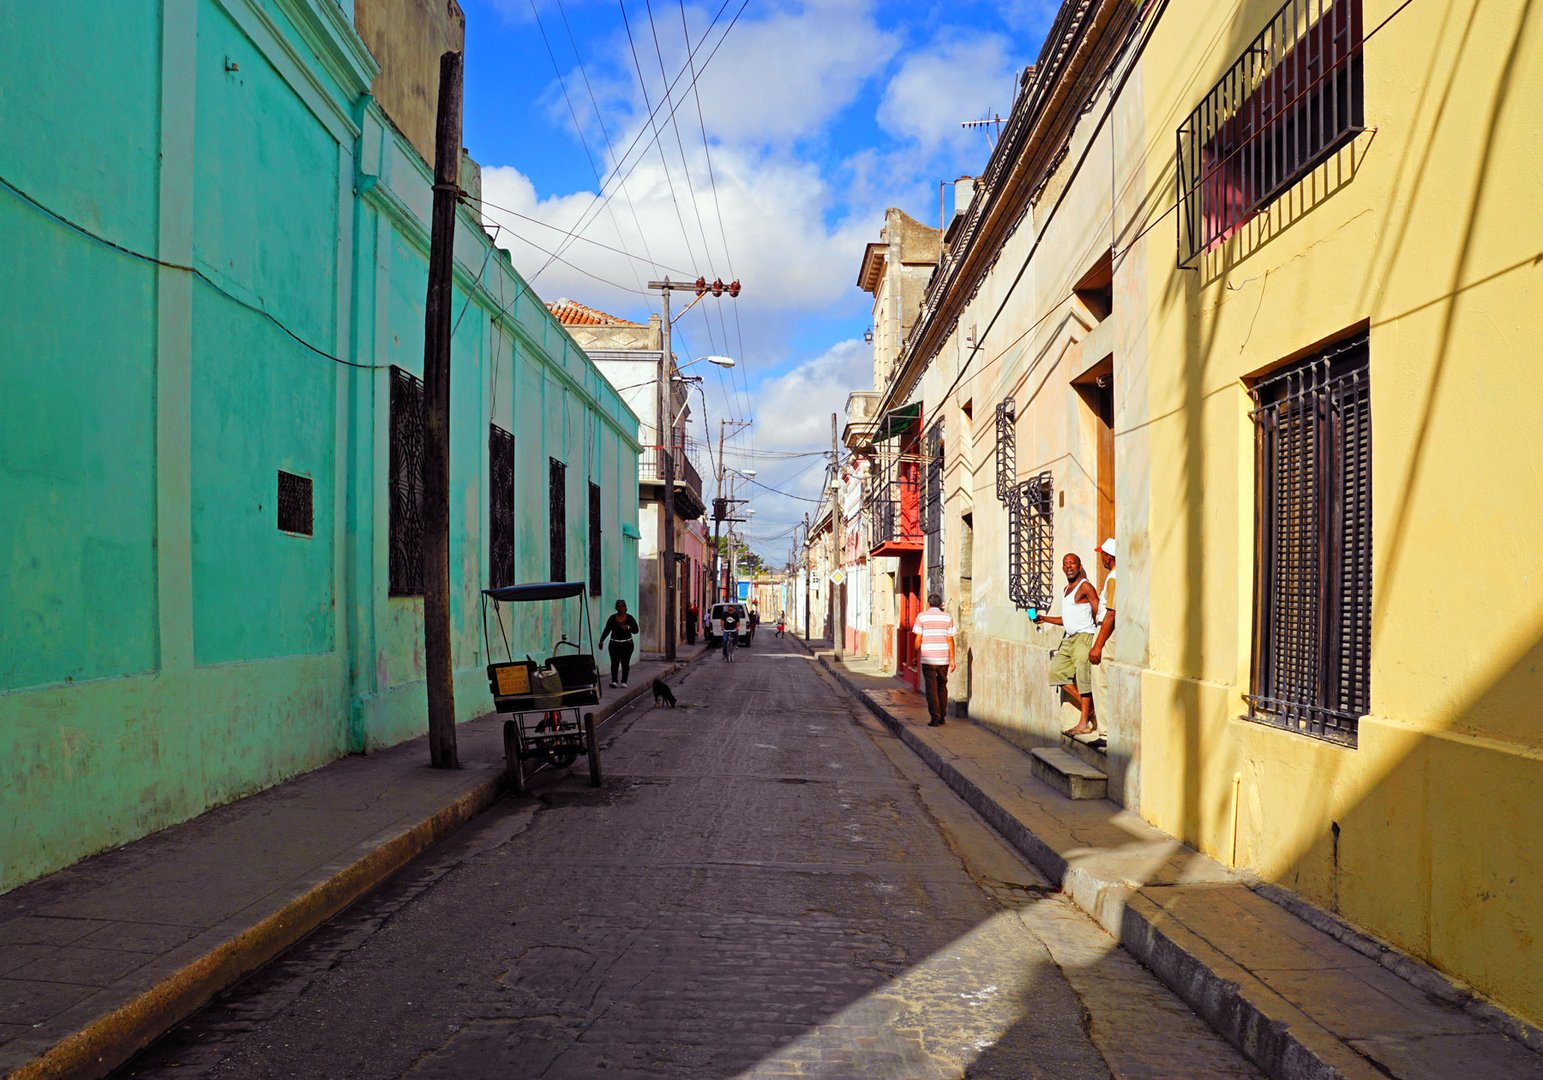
<point>595,565</point>
<point>932,505</point>
<point>1007,448</point>
<point>406,515</point>
<point>1313,535</point>
<point>557,522</point>
<point>1289,102</point>
<point>500,507</point>
<point>1031,543</point>
<point>294,503</point>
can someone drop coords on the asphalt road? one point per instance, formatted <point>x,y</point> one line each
<point>768,884</point>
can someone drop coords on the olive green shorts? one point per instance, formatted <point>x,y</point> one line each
<point>1070,662</point>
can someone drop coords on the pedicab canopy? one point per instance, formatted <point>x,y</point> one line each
<point>536,590</point>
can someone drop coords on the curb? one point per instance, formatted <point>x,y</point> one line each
<point>111,1040</point>
<point>1269,1031</point>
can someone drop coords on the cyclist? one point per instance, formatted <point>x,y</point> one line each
<point>730,632</point>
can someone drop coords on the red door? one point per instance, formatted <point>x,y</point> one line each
<point>909,589</point>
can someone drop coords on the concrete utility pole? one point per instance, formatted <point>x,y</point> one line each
<point>666,429</point>
<point>808,585</point>
<point>436,419</point>
<point>721,513</point>
<point>837,629</point>
<point>666,462</point>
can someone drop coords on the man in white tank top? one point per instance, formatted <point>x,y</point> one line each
<point>1069,667</point>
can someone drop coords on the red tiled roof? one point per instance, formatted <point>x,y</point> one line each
<point>573,313</point>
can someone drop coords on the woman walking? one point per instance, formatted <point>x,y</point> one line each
<point>621,628</point>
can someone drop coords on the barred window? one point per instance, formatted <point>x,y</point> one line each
<point>1031,544</point>
<point>1293,98</point>
<point>557,522</point>
<point>500,507</point>
<point>1007,448</point>
<point>932,505</point>
<point>294,503</point>
<point>595,565</point>
<point>406,479</point>
<point>1313,537</point>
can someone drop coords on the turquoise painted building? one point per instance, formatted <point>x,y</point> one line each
<point>216,256</point>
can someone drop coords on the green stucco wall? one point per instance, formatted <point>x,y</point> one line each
<point>164,648</point>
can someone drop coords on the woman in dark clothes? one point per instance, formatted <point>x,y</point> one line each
<point>621,628</point>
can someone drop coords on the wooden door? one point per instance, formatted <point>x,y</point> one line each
<point>910,601</point>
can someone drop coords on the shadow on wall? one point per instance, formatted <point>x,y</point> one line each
<point>1437,850</point>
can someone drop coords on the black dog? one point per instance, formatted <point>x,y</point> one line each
<point>663,695</point>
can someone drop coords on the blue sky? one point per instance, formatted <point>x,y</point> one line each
<point>806,123</point>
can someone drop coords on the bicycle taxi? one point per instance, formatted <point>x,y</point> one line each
<point>546,699</point>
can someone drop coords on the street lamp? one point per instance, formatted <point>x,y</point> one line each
<point>721,361</point>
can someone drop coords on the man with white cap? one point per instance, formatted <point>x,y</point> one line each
<point>1105,603</point>
<point>1105,628</point>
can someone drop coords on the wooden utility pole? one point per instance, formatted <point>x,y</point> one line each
<point>436,419</point>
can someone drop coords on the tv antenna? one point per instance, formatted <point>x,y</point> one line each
<point>994,120</point>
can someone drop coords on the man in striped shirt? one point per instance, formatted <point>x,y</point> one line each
<point>935,631</point>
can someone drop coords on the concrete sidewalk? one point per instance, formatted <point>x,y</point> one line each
<point>100,959</point>
<point>1301,993</point>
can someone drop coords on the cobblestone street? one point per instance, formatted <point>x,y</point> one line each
<point>768,884</point>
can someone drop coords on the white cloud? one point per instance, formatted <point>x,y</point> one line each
<point>793,410</point>
<point>773,215</point>
<point>966,77</point>
<point>784,77</point>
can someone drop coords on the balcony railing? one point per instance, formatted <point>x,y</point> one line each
<point>650,472</point>
<point>688,482</point>
<point>894,509</point>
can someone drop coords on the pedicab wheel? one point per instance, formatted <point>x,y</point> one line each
<point>594,749</point>
<point>512,758</point>
<point>562,756</point>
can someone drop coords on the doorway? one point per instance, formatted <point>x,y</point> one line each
<point>908,598</point>
<point>1096,388</point>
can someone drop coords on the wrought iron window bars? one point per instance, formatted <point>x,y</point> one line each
<point>295,512</point>
<point>1313,536</point>
<point>405,560</point>
<point>500,507</point>
<point>557,519</point>
<point>1291,100</point>
<point>1031,543</point>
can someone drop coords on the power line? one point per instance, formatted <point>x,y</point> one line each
<point>193,270</point>
<point>663,162</point>
<point>606,135</point>
<point>601,197</point>
<point>582,239</point>
<point>572,112</point>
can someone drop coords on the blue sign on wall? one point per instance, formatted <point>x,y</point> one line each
<point>744,590</point>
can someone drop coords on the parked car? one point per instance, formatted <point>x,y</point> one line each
<point>715,623</point>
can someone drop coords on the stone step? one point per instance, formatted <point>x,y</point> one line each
<point>1069,775</point>
<point>1090,749</point>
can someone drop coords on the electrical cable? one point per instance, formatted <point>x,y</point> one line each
<point>577,127</point>
<point>648,258</point>
<point>605,134</point>
<point>194,271</point>
<point>601,197</point>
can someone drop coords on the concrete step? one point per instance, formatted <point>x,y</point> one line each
<point>1089,749</point>
<point>1069,775</point>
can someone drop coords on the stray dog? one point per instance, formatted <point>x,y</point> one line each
<point>663,695</point>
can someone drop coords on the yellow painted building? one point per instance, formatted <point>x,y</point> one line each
<point>1259,284</point>
<point>1423,232</point>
